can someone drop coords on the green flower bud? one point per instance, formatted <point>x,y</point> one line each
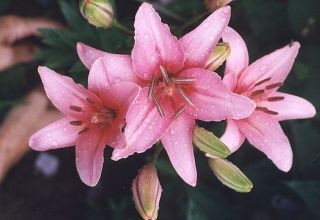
<point>207,142</point>
<point>213,5</point>
<point>97,12</point>
<point>230,175</point>
<point>146,191</point>
<point>217,57</point>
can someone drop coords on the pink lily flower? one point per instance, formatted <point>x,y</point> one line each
<point>176,87</point>
<point>260,82</point>
<point>93,118</point>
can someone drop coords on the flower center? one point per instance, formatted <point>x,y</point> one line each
<point>167,85</point>
<point>98,116</point>
<point>259,94</point>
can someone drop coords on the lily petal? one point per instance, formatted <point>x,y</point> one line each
<point>238,60</point>
<point>64,92</point>
<point>276,65</point>
<point>230,81</point>
<point>144,126</point>
<point>212,100</point>
<point>199,43</point>
<point>178,143</point>
<point>291,107</point>
<point>232,136</point>
<point>265,133</point>
<point>154,45</point>
<point>59,134</point>
<point>117,96</point>
<point>89,54</point>
<point>111,70</point>
<point>89,155</point>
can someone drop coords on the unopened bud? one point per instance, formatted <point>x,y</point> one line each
<point>230,175</point>
<point>146,191</point>
<point>207,142</point>
<point>217,57</point>
<point>213,5</point>
<point>97,12</point>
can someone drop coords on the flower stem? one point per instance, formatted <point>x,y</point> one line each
<point>122,28</point>
<point>157,152</point>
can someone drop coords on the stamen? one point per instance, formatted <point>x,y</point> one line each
<point>83,131</point>
<point>75,108</point>
<point>178,112</point>
<point>76,123</point>
<point>151,88</point>
<point>266,110</point>
<point>164,75</point>
<point>275,85</point>
<point>91,101</point>
<point>257,92</point>
<point>160,110</point>
<point>184,96</point>
<point>262,81</point>
<point>183,80</point>
<point>275,98</point>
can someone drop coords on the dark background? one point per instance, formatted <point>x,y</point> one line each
<point>265,25</point>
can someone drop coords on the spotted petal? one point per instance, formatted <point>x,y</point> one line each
<point>232,136</point>
<point>111,70</point>
<point>212,100</point>
<point>199,43</point>
<point>275,65</point>
<point>154,45</point>
<point>178,143</point>
<point>291,107</point>
<point>89,155</point>
<point>89,54</point>
<point>144,126</point>
<point>59,134</point>
<point>238,59</point>
<point>64,92</point>
<point>265,133</point>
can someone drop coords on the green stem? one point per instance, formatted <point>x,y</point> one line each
<point>157,152</point>
<point>122,28</point>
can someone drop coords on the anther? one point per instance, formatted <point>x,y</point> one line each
<point>183,80</point>
<point>178,112</point>
<point>76,123</point>
<point>275,85</point>
<point>164,75</point>
<point>160,110</point>
<point>75,108</point>
<point>266,110</point>
<point>262,81</point>
<point>91,101</point>
<point>257,92</point>
<point>151,88</point>
<point>83,130</point>
<point>184,96</point>
<point>275,98</point>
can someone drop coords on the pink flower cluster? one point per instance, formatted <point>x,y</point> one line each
<point>157,93</point>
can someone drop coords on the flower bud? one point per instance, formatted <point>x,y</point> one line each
<point>98,12</point>
<point>230,175</point>
<point>217,57</point>
<point>146,191</point>
<point>213,5</point>
<point>207,142</point>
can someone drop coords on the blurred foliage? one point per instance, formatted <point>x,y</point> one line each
<point>265,26</point>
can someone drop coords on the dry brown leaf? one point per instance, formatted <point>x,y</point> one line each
<point>21,122</point>
<point>14,28</point>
